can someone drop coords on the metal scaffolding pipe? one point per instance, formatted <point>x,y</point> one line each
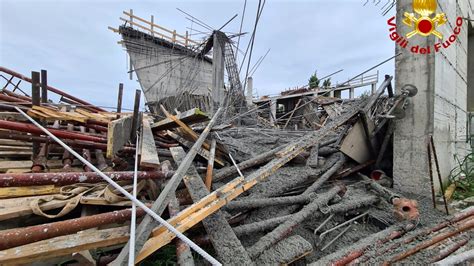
<point>68,178</point>
<point>22,236</point>
<point>29,128</point>
<point>70,142</point>
<point>55,90</point>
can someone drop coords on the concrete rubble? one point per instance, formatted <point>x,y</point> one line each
<point>305,182</point>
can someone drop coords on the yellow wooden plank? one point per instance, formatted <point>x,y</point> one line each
<point>39,115</point>
<point>159,27</point>
<point>13,192</point>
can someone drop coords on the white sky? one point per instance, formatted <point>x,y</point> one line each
<point>70,39</point>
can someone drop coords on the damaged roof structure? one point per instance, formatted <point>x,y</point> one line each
<point>211,175</point>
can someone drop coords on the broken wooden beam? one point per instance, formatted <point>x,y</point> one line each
<point>118,134</point>
<point>225,242</point>
<point>188,144</point>
<point>189,117</point>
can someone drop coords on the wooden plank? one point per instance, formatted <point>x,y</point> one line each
<point>188,144</point>
<point>63,245</point>
<point>149,154</point>
<point>189,117</point>
<point>210,165</point>
<point>24,209</point>
<point>12,142</point>
<point>223,238</point>
<point>157,26</point>
<point>58,115</point>
<point>6,165</point>
<point>118,134</point>
<point>39,115</point>
<point>14,148</point>
<point>95,116</point>
<point>13,192</point>
<point>15,153</point>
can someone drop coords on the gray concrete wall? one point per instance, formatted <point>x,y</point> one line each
<point>164,72</point>
<point>439,108</point>
<point>470,71</point>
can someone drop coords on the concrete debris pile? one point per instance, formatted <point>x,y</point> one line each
<point>243,195</point>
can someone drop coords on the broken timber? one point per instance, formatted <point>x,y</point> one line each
<point>118,134</point>
<point>224,240</point>
<point>219,198</point>
<point>147,225</point>
<point>188,144</point>
<point>189,117</point>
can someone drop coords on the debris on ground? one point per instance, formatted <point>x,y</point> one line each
<point>310,184</point>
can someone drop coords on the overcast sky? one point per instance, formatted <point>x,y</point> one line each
<point>70,39</point>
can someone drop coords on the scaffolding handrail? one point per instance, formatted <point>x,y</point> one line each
<point>150,27</point>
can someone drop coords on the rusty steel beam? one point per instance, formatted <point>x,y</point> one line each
<point>21,236</point>
<point>55,90</point>
<point>29,128</point>
<point>96,127</point>
<point>8,98</point>
<point>458,228</point>
<point>38,179</point>
<point>16,95</point>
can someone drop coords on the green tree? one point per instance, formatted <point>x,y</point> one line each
<point>313,81</point>
<point>327,83</point>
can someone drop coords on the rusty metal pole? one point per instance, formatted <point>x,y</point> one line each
<point>439,174</point>
<point>68,178</point>
<point>21,236</point>
<point>119,100</point>
<point>458,228</point>
<point>29,128</point>
<point>44,86</point>
<point>70,142</point>
<point>430,167</point>
<point>135,117</point>
<point>35,98</point>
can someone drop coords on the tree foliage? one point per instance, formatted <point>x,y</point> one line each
<point>313,81</point>
<point>327,83</point>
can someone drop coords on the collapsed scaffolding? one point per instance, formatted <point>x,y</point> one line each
<point>225,184</point>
